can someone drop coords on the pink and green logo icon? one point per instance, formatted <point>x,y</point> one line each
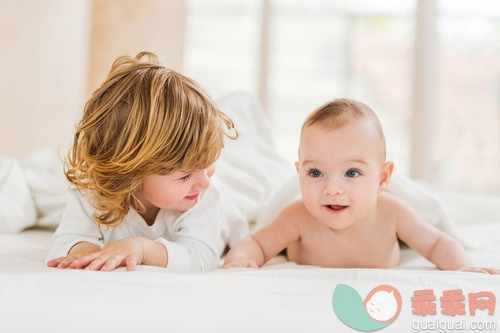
<point>380,307</point>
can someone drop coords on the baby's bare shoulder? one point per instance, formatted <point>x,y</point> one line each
<point>296,208</point>
<point>295,212</point>
<point>391,207</point>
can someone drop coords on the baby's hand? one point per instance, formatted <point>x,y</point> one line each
<point>248,263</point>
<point>481,270</point>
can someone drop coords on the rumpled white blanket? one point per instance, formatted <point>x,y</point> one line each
<point>32,191</point>
<point>17,209</point>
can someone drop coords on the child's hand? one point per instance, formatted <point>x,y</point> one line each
<point>248,263</point>
<point>130,251</point>
<point>481,270</point>
<point>62,262</point>
<point>78,250</point>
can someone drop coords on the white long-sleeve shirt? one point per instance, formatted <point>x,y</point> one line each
<point>194,239</point>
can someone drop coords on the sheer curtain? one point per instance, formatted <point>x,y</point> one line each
<point>320,50</point>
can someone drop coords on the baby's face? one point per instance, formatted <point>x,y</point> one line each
<point>340,172</point>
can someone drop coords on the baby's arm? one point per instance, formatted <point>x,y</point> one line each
<point>436,246</point>
<point>246,253</point>
<point>257,249</point>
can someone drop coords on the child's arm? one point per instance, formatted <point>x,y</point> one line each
<point>257,249</point>
<point>76,235</point>
<point>78,243</point>
<point>129,251</point>
<point>436,246</point>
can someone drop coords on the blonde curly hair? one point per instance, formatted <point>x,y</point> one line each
<point>144,119</point>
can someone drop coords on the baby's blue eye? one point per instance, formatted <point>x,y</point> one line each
<point>352,173</point>
<point>315,173</point>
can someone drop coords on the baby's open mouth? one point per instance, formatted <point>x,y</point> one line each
<point>336,208</point>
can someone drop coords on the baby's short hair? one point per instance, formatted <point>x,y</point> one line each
<point>144,119</point>
<point>340,112</point>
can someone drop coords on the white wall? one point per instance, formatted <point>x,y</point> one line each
<point>55,52</point>
<point>43,65</point>
<point>128,27</point>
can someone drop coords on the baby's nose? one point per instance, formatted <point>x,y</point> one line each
<point>334,188</point>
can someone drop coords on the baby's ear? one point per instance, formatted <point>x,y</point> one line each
<point>385,175</point>
<point>297,166</point>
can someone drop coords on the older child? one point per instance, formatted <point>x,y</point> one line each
<point>345,219</point>
<point>140,167</point>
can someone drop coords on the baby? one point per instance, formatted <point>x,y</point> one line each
<point>345,219</point>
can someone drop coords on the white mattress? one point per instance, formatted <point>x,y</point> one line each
<point>280,297</point>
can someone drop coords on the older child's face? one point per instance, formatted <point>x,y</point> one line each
<point>341,172</point>
<point>177,191</point>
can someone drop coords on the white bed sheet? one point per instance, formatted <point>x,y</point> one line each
<point>280,297</point>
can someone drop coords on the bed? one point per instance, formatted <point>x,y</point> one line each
<point>280,297</point>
